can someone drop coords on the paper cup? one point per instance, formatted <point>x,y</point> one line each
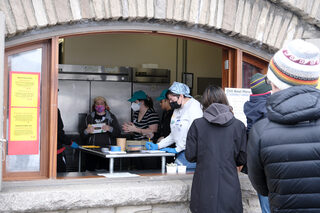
<point>122,143</point>
<point>182,169</point>
<point>171,169</point>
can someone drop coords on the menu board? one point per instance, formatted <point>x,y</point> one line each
<point>24,106</point>
<point>237,97</point>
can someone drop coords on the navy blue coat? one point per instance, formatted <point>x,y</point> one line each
<point>255,109</point>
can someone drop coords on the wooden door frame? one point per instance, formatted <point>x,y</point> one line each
<point>232,77</point>
<point>45,91</point>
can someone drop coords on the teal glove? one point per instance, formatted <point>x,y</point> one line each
<point>170,150</point>
<point>74,145</point>
<point>151,146</point>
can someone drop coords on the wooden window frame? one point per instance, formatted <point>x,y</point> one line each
<point>45,99</point>
<point>262,64</point>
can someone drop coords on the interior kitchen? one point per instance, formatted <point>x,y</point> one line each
<point>114,66</point>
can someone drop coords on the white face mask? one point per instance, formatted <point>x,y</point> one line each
<point>135,107</point>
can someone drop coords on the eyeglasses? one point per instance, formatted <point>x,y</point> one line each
<point>268,82</point>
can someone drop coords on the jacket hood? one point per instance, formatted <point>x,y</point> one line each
<point>218,114</point>
<point>293,105</point>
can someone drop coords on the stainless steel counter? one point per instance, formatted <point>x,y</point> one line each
<point>125,155</point>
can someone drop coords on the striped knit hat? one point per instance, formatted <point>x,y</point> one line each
<point>258,84</point>
<point>297,63</point>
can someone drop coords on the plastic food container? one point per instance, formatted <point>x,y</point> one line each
<point>115,148</point>
<point>104,150</point>
<point>135,147</point>
<point>171,168</point>
<point>182,169</point>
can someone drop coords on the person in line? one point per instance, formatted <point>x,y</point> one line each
<point>145,119</point>
<point>217,143</point>
<point>186,109</point>
<point>164,127</point>
<point>255,109</point>
<point>283,149</point>
<point>63,140</point>
<point>110,130</point>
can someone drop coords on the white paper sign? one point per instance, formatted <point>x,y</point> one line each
<point>118,175</point>
<point>237,97</point>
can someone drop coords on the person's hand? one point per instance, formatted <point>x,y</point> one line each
<point>159,139</point>
<point>169,150</point>
<point>149,135</point>
<point>106,128</point>
<point>90,129</point>
<point>129,127</point>
<point>151,146</point>
<point>74,145</point>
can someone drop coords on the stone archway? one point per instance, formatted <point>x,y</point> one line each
<point>259,23</point>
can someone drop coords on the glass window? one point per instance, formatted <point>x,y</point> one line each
<point>24,69</point>
<point>248,70</point>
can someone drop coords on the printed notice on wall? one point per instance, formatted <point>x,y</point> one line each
<point>24,109</point>
<point>24,89</point>
<point>237,97</point>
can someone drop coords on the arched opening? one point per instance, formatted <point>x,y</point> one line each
<point>195,61</point>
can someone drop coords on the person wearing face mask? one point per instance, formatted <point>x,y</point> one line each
<point>145,119</point>
<point>110,130</point>
<point>186,110</point>
<point>164,127</point>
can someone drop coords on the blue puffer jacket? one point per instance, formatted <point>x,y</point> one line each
<point>284,151</point>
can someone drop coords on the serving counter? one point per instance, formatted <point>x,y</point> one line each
<point>111,156</point>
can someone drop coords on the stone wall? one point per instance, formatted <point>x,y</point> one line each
<point>259,22</point>
<point>308,10</point>
<point>170,194</point>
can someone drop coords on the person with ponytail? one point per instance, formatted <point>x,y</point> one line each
<point>145,120</point>
<point>110,130</point>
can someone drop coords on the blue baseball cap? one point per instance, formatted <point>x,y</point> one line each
<point>138,95</point>
<point>162,95</point>
<point>180,88</point>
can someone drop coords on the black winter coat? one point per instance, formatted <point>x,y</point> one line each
<point>284,151</point>
<point>217,142</point>
<point>102,139</point>
<point>62,139</point>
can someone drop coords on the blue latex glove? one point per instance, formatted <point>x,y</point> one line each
<point>170,150</point>
<point>74,145</point>
<point>151,146</point>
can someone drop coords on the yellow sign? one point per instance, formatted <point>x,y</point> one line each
<point>318,84</point>
<point>23,124</point>
<point>24,89</point>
